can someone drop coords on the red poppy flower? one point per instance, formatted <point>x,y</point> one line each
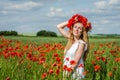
<point>97,58</point>
<point>58,59</point>
<point>8,78</point>
<point>54,64</point>
<point>117,59</point>
<point>65,67</point>
<point>103,59</point>
<point>44,75</point>
<point>50,71</point>
<point>72,62</point>
<point>97,67</point>
<point>93,62</point>
<point>81,65</point>
<point>67,59</point>
<point>85,72</point>
<point>69,69</point>
<point>55,55</point>
<point>57,71</point>
<point>42,60</point>
<point>110,73</point>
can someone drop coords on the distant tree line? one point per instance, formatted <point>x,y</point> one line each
<point>8,33</point>
<point>39,33</point>
<point>108,35</point>
<point>105,36</point>
<point>46,33</point>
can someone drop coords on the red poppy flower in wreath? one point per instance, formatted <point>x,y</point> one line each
<point>79,18</point>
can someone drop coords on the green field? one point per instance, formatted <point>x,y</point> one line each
<point>59,39</point>
<point>40,58</point>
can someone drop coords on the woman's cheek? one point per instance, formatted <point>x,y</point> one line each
<point>80,31</point>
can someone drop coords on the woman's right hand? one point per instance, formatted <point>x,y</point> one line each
<point>61,29</point>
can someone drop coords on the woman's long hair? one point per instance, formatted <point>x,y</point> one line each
<point>84,37</point>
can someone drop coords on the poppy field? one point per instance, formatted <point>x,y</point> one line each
<point>41,58</point>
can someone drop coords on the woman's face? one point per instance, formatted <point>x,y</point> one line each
<point>77,29</point>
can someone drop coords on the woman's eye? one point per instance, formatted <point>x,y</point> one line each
<point>78,27</point>
<point>75,27</point>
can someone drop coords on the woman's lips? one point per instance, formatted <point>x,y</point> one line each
<point>76,32</point>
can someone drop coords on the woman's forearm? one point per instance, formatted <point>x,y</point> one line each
<point>61,29</point>
<point>62,25</point>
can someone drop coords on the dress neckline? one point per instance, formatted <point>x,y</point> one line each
<point>78,41</point>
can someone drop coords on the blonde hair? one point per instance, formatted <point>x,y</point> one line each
<point>84,37</point>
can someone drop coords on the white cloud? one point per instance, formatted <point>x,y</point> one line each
<point>100,4</point>
<point>111,2</point>
<point>50,14</point>
<point>101,22</point>
<point>53,11</point>
<point>107,9</point>
<point>22,6</point>
<point>105,21</point>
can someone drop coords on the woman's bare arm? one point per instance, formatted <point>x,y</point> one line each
<point>78,54</point>
<point>61,27</point>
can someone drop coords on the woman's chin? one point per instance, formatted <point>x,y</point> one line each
<point>76,35</point>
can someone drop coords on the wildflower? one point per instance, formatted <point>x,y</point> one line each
<point>110,74</point>
<point>67,59</point>
<point>57,71</point>
<point>97,67</point>
<point>8,78</point>
<point>44,75</point>
<point>97,58</point>
<point>93,62</point>
<point>81,65</point>
<point>72,62</point>
<point>50,71</point>
<point>65,67</point>
<point>85,72</point>
<point>69,69</point>
<point>58,59</point>
<point>103,59</point>
<point>55,55</point>
<point>54,64</point>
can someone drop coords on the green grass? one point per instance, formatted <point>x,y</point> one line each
<point>40,40</point>
<point>37,40</point>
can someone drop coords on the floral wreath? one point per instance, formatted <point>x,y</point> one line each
<point>79,18</point>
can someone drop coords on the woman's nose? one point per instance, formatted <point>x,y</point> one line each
<point>77,28</point>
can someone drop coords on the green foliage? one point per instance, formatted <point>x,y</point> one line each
<point>46,33</point>
<point>8,33</point>
<point>18,68</point>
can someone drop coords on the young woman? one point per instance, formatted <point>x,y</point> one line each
<point>77,46</point>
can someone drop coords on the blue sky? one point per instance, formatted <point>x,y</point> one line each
<point>31,16</point>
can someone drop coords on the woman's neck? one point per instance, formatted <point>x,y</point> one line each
<point>76,39</point>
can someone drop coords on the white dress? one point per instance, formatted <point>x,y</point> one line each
<point>78,73</point>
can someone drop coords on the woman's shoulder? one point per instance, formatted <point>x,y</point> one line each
<point>81,41</point>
